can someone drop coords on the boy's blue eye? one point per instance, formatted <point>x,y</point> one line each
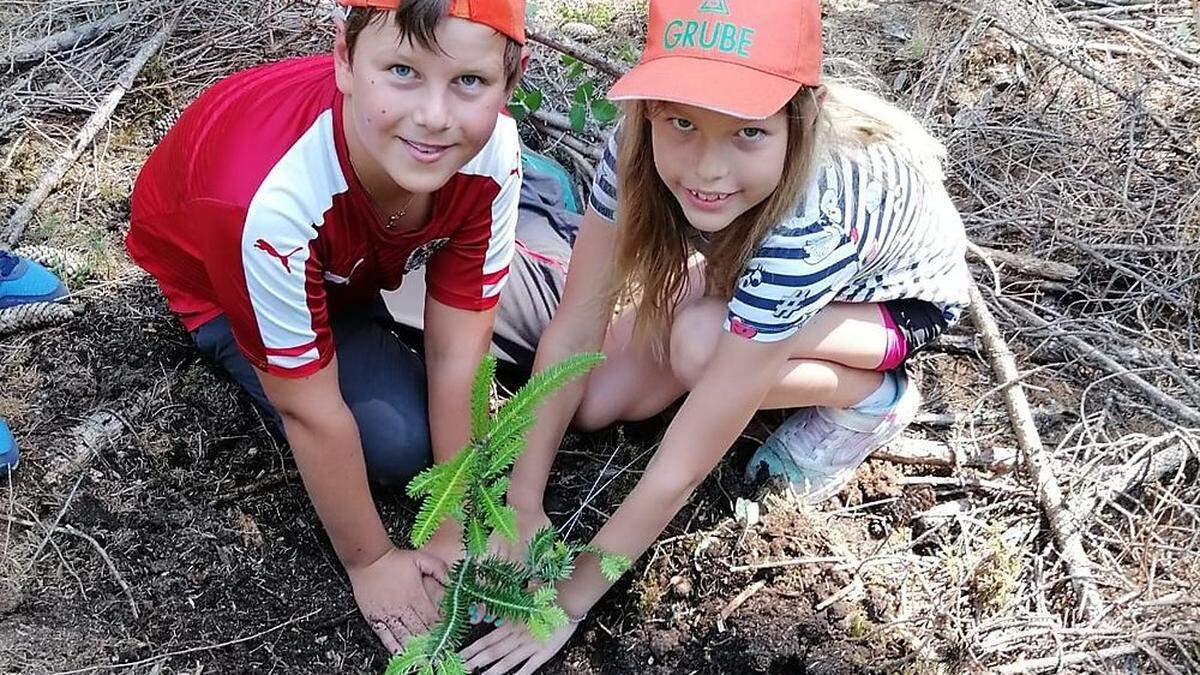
<point>751,133</point>
<point>471,81</point>
<point>681,124</point>
<point>401,70</point>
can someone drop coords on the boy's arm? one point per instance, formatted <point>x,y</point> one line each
<point>710,420</point>
<point>324,438</point>
<point>455,342</point>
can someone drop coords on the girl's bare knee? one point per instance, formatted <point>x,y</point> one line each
<point>694,335</point>
<point>593,415</point>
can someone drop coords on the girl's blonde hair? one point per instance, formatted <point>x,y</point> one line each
<point>654,239</point>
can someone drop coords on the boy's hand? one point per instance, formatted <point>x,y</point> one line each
<point>391,594</point>
<point>529,521</point>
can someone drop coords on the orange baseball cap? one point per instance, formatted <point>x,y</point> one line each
<point>745,58</point>
<point>506,16</point>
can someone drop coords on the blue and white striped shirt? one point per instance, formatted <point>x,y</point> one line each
<point>870,228</point>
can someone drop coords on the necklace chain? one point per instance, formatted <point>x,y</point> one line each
<point>396,216</point>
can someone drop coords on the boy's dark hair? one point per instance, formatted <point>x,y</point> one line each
<point>418,21</point>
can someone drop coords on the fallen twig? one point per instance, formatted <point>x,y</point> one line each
<point>20,219</point>
<point>1150,464</point>
<point>96,432</point>
<point>66,39</point>
<point>1037,462</point>
<point>575,50</point>
<point>738,602</point>
<point>191,650</point>
<point>933,453</point>
<point>67,529</point>
<point>1027,264</point>
<point>1103,361</point>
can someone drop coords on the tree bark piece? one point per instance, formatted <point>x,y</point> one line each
<point>1037,463</point>
<point>67,39</point>
<point>1038,267</point>
<point>96,432</point>
<point>20,219</point>
<point>998,460</point>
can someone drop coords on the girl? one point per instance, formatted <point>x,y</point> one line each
<point>829,251</point>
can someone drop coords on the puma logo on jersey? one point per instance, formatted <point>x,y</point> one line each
<point>285,260</point>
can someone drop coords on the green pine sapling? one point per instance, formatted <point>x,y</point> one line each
<point>470,488</point>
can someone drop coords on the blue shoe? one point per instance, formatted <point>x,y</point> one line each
<point>23,281</point>
<point>9,457</point>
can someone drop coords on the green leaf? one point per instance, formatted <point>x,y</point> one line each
<point>605,111</point>
<point>576,70</point>
<point>500,517</point>
<point>583,93</point>
<point>476,536</point>
<point>414,656</point>
<point>501,572</point>
<point>568,60</point>
<point>578,115</point>
<point>612,566</point>
<point>510,603</point>
<point>548,380</point>
<point>533,100</point>
<point>518,111</point>
<point>446,638</point>
<point>481,396</point>
<point>452,664</point>
<point>423,482</point>
<point>508,446</point>
<point>543,624</point>
<point>445,494</point>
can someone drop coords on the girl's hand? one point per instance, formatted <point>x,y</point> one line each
<point>511,646</point>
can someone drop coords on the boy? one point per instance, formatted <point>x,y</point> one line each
<point>284,200</point>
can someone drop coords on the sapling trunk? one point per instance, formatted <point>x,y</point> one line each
<point>471,488</point>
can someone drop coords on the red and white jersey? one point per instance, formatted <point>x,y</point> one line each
<point>249,207</point>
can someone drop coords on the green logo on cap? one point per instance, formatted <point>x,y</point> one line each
<point>714,36</point>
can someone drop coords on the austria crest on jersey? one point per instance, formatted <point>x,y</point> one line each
<point>744,58</point>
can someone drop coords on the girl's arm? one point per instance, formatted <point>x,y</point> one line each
<point>711,419</point>
<point>579,325</point>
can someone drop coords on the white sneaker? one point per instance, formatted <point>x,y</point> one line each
<point>818,449</point>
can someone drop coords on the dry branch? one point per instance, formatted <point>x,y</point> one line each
<point>1151,464</point>
<point>1038,267</point>
<point>20,219</point>
<point>67,39</point>
<point>933,453</point>
<point>1102,360</point>
<point>108,561</point>
<point>575,50</point>
<point>1037,462</point>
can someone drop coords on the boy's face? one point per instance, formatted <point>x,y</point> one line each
<point>717,166</point>
<point>419,115</point>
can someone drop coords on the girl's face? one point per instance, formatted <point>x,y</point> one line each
<point>717,166</point>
